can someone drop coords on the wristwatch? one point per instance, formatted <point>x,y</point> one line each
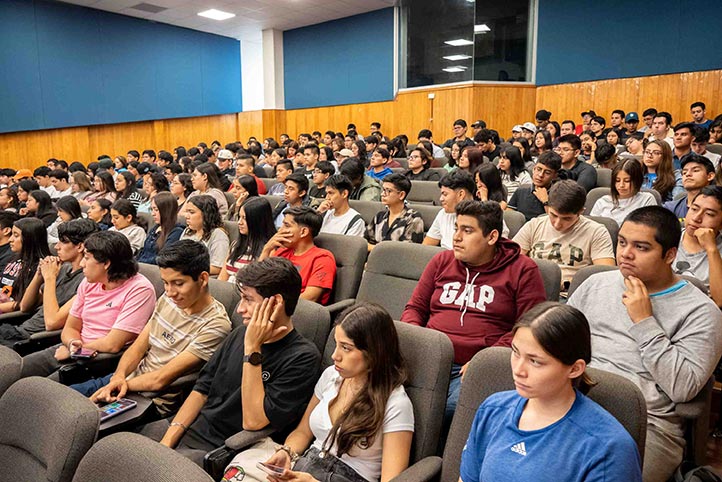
<point>254,358</point>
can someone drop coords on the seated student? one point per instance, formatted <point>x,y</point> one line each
<point>699,249</point>
<point>54,285</point>
<point>185,329</point>
<point>255,228</point>
<point>532,200</point>
<point>548,413</point>
<point>311,153</point>
<point>659,173</point>
<point>243,188</point>
<point>68,209</point>
<point>474,292</point>
<point>604,156</point>
<point>165,231</point>
<point>99,211</point>
<point>246,165</point>
<point>39,205</point>
<point>61,186</point>
<point>398,222</point>
<point>294,241</point>
<point>512,170</point>
<point>206,182</point>
<point>112,306</point>
<point>262,374</point>
<point>489,186</point>
<point>699,146</point>
<point>338,216</point>
<point>625,194</point>
<point>294,195</point>
<point>569,149</point>
<point>204,224</point>
<point>322,171</point>
<point>455,187</point>
<point>364,389</point>
<point>125,221</point>
<point>365,188</point>
<point>589,145</point>
<point>565,236</point>
<point>420,161</point>
<point>284,168</point>
<point>7,219</point>
<point>697,172</point>
<point>649,326</point>
<point>378,161</point>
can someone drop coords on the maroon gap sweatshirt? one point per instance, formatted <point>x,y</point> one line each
<point>475,306</point>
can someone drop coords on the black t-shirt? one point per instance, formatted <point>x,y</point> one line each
<point>524,201</point>
<point>6,255</point>
<point>291,367</point>
<point>317,192</point>
<point>493,154</point>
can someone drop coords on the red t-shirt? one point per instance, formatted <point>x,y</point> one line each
<point>261,186</point>
<point>317,268</point>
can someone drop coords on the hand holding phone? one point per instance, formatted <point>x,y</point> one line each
<point>273,470</point>
<point>83,354</point>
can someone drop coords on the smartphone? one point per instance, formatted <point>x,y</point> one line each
<point>83,354</point>
<point>116,408</point>
<point>270,469</point>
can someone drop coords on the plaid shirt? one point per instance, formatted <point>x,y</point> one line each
<point>407,227</point>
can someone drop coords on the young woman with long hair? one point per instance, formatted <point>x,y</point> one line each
<point>80,184</point>
<point>625,196</point>
<point>25,187</point>
<point>29,242</point>
<point>470,159</point>
<point>125,220</point>
<point>660,174</point>
<point>549,414</point>
<point>523,145</point>
<point>488,184</point>
<point>542,143</point>
<point>512,170</point>
<point>165,231</point>
<point>206,182</point>
<point>125,185</point>
<point>9,199</point>
<point>99,211</point>
<point>39,205</point>
<point>205,225</point>
<point>255,227</point>
<point>104,186</point>
<point>181,188</point>
<point>359,422</point>
<point>68,209</point>
<point>243,189</point>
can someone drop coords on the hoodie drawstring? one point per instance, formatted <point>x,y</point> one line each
<point>467,288</point>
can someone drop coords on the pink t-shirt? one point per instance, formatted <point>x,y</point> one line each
<point>127,307</point>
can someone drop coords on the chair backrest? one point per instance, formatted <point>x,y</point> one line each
<point>148,218</point>
<point>226,293</point>
<point>267,171</point>
<point>611,226</point>
<point>428,213</point>
<point>514,221</point>
<point>715,148</point>
<point>152,272</point>
<point>428,355</point>
<point>551,276</point>
<point>269,182</point>
<point>424,192</point>
<point>584,273</point>
<point>403,161</point>
<point>490,372</point>
<point>10,365</point>
<point>593,196</point>
<point>350,253</point>
<point>367,209</point>
<point>440,171</point>
<point>392,272</point>
<point>46,429</point>
<point>274,200</point>
<point>232,230</point>
<point>128,456</point>
<point>604,177</point>
<point>657,196</point>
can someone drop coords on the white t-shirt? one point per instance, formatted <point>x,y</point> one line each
<point>443,229</point>
<point>343,224</point>
<point>399,417</point>
<point>713,157</point>
<point>605,207</point>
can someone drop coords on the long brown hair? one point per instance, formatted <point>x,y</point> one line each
<point>665,170</point>
<point>634,169</point>
<point>373,332</point>
<point>168,209</point>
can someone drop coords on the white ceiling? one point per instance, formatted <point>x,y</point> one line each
<point>252,16</point>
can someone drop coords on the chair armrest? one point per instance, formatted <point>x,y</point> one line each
<point>426,469</point>
<point>339,306</point>
<point>183,383</point>
<point>247,438</point>
<point>37,341</point>
<point>14,317</point>
<point>215,461</point>
<point>82,370</point>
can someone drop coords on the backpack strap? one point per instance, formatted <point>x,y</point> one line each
<point>353,221</point>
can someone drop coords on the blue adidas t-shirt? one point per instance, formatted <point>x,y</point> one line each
<point>587,444</point>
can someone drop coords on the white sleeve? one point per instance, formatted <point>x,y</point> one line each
<point>358,229</point>
<point>218,247</point>
<point>399,416</point>
<point>435,229</point>
<point>324,382</point>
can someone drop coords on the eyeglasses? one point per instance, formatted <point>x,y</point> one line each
<point>647,152</point>
<point>386,192</point>
<point>564,149</point>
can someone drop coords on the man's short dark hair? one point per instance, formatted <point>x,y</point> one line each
<point>287,163</point>
<point>569,121</point>
<point>400,182</point>
<point>352,168</point>
<point>550,159</point>
<point>193,151</point>
<point>76,231</point>
<point>620,112</point>
<point>711,191</point>
<point>308,217</point>
<point>604,153</point>
<point>134,153</point>
<point>339,182</point>
<point>651,111</point>
<point>425,133</point>
<point>325,167</point>
<point>571,139</point>
<point>376,125</point>
<point>484,136</point>
<point>247,159</point>
<point>114,247</point>
<point>697,159</point>
<point>701,134</point>
<point>8,218</point>
<point>487,213</point>
<point>684,125</point>
<point>41,171</point>
<point>384,153</point>
<point>150,152</point>
<point>667,228</point>
<point>667,116</point>
<point>166,156</point>
<point>273,276</point>
<point>460,122</point>
<point>188,257</point>
<point>599,120</point>
<point>458,179</point>
<point>567,197</point>
<point>59,174</point>
<point>698,104</point>
<point>313,147</point>
<point>300,180</point>
<point>371,140</point>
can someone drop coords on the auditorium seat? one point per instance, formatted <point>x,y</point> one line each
<point>612,228</point>
<point>269,182</point>
<point>231,228</point>
<point>148,218</point>
<point>350,253</point>
<point>604,177</point>
<point>367,209</point>
<point>424,192</point>
<point>514,221</point>
<point>428,213</point>
<point>593,196</point>
<point>551,275</point>
<point>10,366</point>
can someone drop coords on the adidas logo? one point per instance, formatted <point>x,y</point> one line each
<point>109,305</point>
<point>519,448</point>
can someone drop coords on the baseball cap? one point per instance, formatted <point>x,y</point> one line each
<point>631,116</point>
<point>543,115</point>
<point>143,168</point>
<point>344,153</point>
<point>23,173</point>
<point>224,154</point>
<point>589,112</point>
<point>516,128</point>
<point>105,163</point>
<point>530,126</point>
<point>480,124</point>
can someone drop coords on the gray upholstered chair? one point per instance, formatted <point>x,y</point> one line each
<point>231,228</point>
<point>604,177</point>
<point>551,276</point>
<point>10,365</point>
<point>424,192</point>
<point>46,430</point>
<point>269,182</point>
<point>392,272</point>
<point>350,253</point>
<point>514,221</point>
<point>428,213</point>
<point>612,228</point>
<point>152,273</point>
<point>128,456</point>
<point>226,293</point>
<point>584,273</point>
<point>148,218</point>
<point>367,209</point>
<point>489,372</point>
<point>593,196</point>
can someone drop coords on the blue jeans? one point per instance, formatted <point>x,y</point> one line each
<point>452,397</point>
<point>94,384</point>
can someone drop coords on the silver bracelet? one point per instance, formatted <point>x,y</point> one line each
<point>181,425</point>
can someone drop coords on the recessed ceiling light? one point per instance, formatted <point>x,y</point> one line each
<point>454,69</point>
<point>483,28</point>
<point>459,42</point>
<point>216,14</point>
<point>456,58</point>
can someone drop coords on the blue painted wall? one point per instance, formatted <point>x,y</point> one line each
<point>583,40</point>
<point>63,65</point>
<point>346,61</point>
